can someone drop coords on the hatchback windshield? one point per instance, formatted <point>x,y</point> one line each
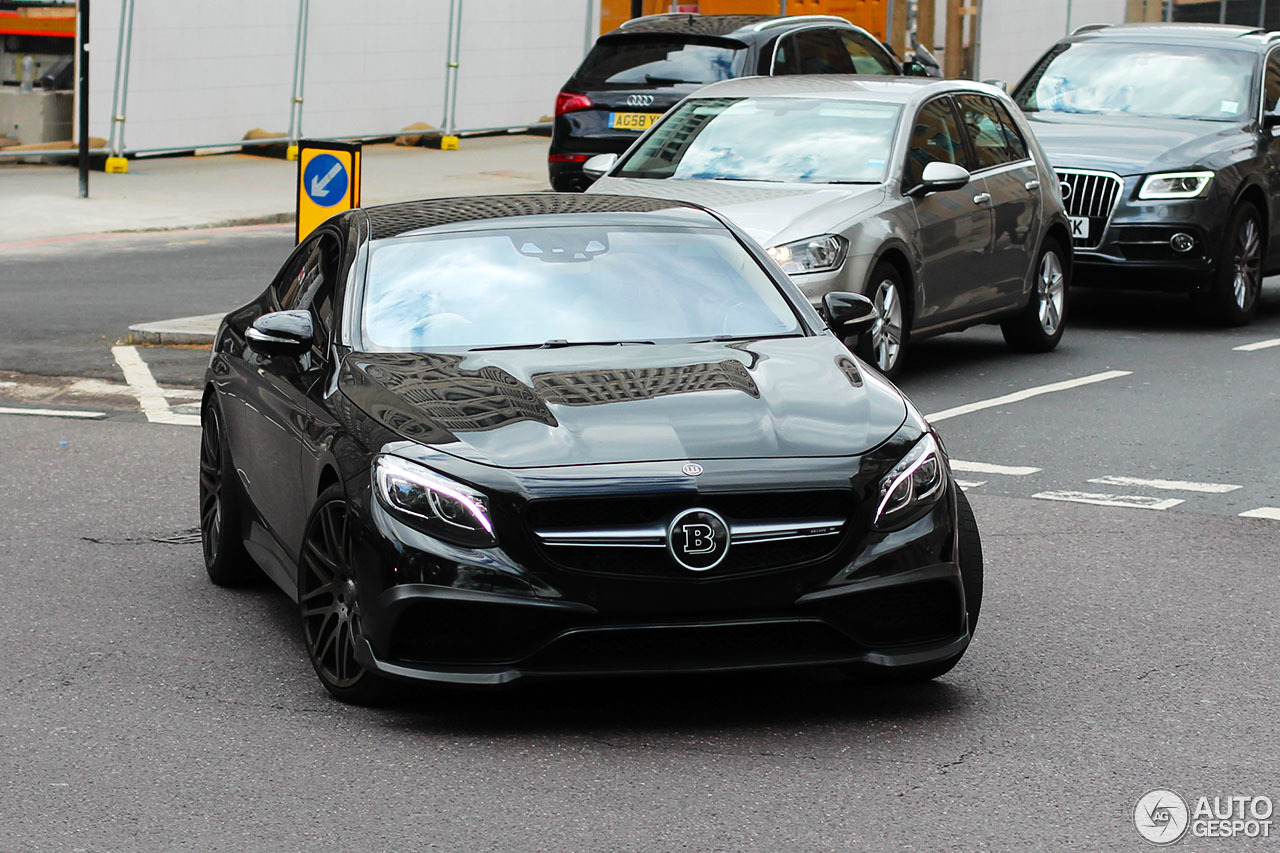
<point>645,61</point>
<point>769,139</point>
<point>1141,79</point>
<point>564,285</point>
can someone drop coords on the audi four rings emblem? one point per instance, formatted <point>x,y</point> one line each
<point>693,469</point>
<point>1066,190</point>
<point>639,100</point>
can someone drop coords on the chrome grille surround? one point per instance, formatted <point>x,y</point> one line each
<point>1092,194</point>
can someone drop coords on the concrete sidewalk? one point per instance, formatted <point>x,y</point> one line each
<point>42,203</point>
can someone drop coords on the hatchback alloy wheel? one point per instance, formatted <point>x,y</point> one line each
<point>886,334</point>
<point>1051,291</point>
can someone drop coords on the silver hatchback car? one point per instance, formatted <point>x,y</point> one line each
<point>930,197</point>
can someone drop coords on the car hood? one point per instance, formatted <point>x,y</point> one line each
<point>778,398</point>
<point>771,213</point>
<point>1131,145</point>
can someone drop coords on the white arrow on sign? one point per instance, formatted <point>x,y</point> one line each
<point>320,186</point>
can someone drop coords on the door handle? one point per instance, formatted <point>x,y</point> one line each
<point>982,198</point>
<point>1032,185</point>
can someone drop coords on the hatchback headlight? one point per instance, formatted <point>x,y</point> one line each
<point>1175,185</point>
<point>813,254</point>
<point>434,503</point>
<point>914,483</point>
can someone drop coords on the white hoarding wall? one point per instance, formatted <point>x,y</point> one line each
<point>1015,33</point>
<point>204,72</point>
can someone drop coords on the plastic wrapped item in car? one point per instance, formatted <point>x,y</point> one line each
<point>60,75</point>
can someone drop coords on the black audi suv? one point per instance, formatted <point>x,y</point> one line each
<point>492,438</point>
<point>1163,137</point>
<point>642,69</point>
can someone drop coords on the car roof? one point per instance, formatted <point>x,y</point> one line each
<point>529,210</point>
<point>741,27</point>
<point>1215,35</point>
<point>859,87</point>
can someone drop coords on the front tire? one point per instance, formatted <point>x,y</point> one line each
<point>225,558</point>
<point>329,604</point>
<point>885,344</point>
<point>1233,297</point>
<point>1038,327</point>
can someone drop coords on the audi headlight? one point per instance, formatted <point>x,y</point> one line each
<point>914,483</point>
<point>813,254</point>
<point>1175,185</point>
<point>435,504</point>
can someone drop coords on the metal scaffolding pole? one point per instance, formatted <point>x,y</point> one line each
<point>453,48</point>
<point>1168,10</point>
<point>299,72</point>
<point>120,95</point>
<point>589,36</point>
<point>82,38</point>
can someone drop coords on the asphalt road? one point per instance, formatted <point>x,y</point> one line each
<point>1123,646</point>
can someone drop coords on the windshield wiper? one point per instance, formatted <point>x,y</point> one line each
<point>559,343</point>
<point>721,338</point>
<point>728,178</point>
<point>649,78</point>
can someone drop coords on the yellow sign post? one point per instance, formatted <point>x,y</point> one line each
<point>328,182</point>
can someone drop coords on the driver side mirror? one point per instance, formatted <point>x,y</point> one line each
<point>599,165</point>
<point>849,313</point>
<point>1270,120</point>
<point>287,333</point>
<point>939,177</point>
<point>912,68</point>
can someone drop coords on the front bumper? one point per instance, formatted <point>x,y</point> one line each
<point>890,600</point>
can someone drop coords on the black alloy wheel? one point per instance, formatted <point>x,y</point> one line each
<point>329,603</point>
<point>224,556</point>
<point>1233,297</point>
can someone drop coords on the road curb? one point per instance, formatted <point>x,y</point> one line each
<point>178,331</point>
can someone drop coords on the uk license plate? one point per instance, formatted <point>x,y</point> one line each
<point>632,121</point>
<point>1079,227</point>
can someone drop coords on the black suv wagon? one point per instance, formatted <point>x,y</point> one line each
<point>642,69</point>
<point>1163,137</point>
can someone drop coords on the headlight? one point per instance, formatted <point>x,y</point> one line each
<point>436,504</point>
<point>813,254</point>
<point>1175,185</point>
<point>914,483</point>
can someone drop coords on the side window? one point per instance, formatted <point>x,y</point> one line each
<point>815,51</point>
<point>784,57</point>
<point>1012,136</point>
<point>935,137</point>
<point>309,283</point>
<point>986,133</point>
<point>297,274</point>
<point>1271,86</point>
<point>866,56</point>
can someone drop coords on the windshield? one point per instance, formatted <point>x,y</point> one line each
<point>565,285</point>
<point>1141,79</point>
<point>769,139</point>
<point>643,61</point>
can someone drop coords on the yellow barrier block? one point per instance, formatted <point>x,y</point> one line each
<point>117,165</point>
<point>291,153</point>
<point>448,143</point>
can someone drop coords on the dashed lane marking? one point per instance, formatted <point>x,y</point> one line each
<point>1274,342</point>
<point>1170,485</point>
<point>970,484</point>
<point>53,413</point>
<point>150,398</point>
<point>1131,501</point>
<point>1270,512</point>
<point>1026,394</point>
<point>987,468</point>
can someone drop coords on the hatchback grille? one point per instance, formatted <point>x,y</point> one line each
<point>1093,195</point>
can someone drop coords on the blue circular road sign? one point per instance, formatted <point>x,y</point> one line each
<point>325,180</point>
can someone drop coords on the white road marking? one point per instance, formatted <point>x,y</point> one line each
<point>1170,485</point>
<point>1026,394</point>
<point>1262,512</point>
<point>150,398</point>
<point>987,468</point>
<point>53,413</point>
<point>1274,342</point>
<point>970,484</point>
<point>1131,501</point>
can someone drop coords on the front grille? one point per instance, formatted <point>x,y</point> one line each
<point>810,525</point>
<point>1093,195</point>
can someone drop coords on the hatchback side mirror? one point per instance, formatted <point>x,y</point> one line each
<point>849,313</point>
<point>599,165</point>
<point>939,177</point>
<point>287,333</point>
<point>912,68</point>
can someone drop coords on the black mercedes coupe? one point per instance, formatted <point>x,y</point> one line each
<point>485,439</point>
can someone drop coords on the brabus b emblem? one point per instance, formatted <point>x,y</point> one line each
<point>693,469</point>
<point>698,539</point>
